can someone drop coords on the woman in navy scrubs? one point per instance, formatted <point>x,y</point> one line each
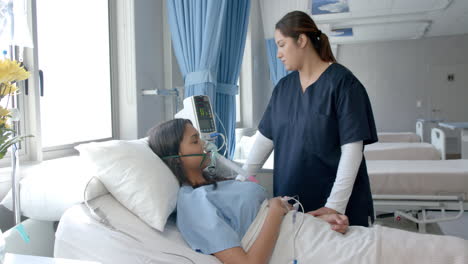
<point>318,120</point>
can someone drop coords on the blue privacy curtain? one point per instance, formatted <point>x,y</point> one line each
<point>277,69</point>
<point>208,37</point>
<point>196,36</point>
<point>232,50</point>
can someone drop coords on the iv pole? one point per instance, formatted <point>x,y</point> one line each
<point>15,188</point>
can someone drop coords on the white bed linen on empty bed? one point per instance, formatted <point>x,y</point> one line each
<point>386,137</point>
<point>418,177</point>
<point>401,151</point>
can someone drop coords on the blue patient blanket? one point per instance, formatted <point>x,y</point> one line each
<point>212,220</point>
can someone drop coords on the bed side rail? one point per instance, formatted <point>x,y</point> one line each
<point>438,141</point>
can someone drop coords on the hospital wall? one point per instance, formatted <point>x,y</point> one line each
<point>141,41</point>
<point>398,74</point>
<point>149,69</point>
<point>258,87</point>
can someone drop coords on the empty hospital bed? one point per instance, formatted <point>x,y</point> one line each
<point>401,151</point>
<point>419,185</point>
<point>376,151</point>
<point>414,185</point>
<point>401,186</point>
<point>409,151</point>
<point>394,137</point>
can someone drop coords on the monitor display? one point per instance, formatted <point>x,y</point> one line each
<point>204,115</point>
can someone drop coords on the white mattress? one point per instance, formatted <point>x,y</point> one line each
<point>401,151</point>
<point>418,177</point>
<point>388,137</point>
<point>81,237</point>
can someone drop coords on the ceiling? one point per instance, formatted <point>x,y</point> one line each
<point>384,20</point>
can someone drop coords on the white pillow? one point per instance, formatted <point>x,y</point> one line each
<point>136,177</point>
<point>50,188</point>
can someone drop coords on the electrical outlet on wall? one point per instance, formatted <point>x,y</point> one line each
<point>419,103</point>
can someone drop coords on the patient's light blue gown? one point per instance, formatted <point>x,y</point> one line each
<point>212,220</point>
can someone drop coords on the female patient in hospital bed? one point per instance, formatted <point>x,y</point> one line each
<point>235,222</point>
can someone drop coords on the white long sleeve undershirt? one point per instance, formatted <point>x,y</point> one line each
<point>259,153</point>
<point>350,160</point>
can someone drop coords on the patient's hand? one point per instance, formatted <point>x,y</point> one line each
<point>277,204</point>
<point>338,222</point>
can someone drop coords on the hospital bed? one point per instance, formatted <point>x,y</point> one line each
<point>409,151</point>
<point>419,186</point>
<point>393,137</point>
<point>376,151</point>
<point>415,186</point>
<point>412,185</point>
<point>80,236</point>
<point>401,151</point>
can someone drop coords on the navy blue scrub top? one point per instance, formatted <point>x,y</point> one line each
<point>308,129</point>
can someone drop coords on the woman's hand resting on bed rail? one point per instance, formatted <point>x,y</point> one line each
<point>338,222</point>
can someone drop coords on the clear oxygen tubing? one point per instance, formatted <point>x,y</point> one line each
<point>231,165</point>
<point>218,159</point>
<point>226,138</point>
<point>98,215</point>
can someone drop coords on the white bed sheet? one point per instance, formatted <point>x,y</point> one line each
<point>79,236</point>
<point>388,137</point>
<point>401,151</point>
<point>418,177</point>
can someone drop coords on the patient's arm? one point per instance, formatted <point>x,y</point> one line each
<point>262,248</point>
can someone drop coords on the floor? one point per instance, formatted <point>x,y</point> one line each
<point>457,228</point>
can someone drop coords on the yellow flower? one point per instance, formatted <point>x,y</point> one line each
<point>7,89</point>
<point>4,123</point>
<point>4,113</point>
<point>4,70</point>
<point>12,71</point>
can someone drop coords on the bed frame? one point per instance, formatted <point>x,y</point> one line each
<point>419,130</point>
<point>415,207</point>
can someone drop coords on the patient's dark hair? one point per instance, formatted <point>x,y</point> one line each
<point>164,139</point>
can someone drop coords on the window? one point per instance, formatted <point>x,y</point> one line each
<point>73,57</point>
<point>70,95</point>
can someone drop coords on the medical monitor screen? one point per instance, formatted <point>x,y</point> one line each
<point>205,117</point>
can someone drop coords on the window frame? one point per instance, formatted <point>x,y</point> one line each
<point>29,105</point>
